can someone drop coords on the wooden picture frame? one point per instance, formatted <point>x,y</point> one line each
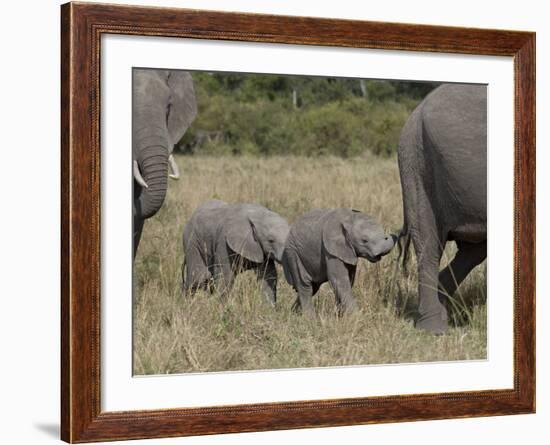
<point>82,26</point>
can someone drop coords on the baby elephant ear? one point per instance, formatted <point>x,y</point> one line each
<point>240,238</point>
<point>336,237</point>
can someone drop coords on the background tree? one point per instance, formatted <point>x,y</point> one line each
<point>264,114</point>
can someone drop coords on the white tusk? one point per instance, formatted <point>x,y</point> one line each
<point>138,177</point>
<point>173,167</point>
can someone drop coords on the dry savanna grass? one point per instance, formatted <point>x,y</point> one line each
<point>176,334</point>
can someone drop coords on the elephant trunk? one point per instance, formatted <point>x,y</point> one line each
<point>279,254</point>
<point>385,246</point>
<point>153,165</point>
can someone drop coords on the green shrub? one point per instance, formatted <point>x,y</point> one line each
<point>255,115</point>
<point>330,129</point>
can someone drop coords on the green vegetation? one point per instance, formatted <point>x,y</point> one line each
<point>297,115</point>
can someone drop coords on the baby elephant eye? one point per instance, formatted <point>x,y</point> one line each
<point>271,240</point>
<point>365,241</point>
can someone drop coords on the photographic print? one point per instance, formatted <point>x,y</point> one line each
<point>286,221</point>
<point>308,202</point>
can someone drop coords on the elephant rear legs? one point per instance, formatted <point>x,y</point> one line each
<point>435,288</point>
<point>429,245</point>
<point>469,255</point>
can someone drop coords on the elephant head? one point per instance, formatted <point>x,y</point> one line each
<point>349,234</point>
<point>257,233</point>
<point>164,106</point>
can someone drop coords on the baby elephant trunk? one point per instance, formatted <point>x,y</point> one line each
<point>279,254</point>
<point>384,246</point>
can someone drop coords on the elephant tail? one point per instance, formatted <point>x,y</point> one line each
<point>183,275</point>
<point>404,243</point>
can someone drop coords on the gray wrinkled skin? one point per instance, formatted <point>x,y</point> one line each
<point>324,245</point>
<point>164,106</point>
<point>221,239</point>
<point>443,169</point>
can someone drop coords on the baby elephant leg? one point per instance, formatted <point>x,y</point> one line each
<point>224,276</point>
<point>194,273</point>
<point>224,268</point>
<point>267,274</point>
<point>303,303</point>
<point>301,282</point>
<point>340,278</point>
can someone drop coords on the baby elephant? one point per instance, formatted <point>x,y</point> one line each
<point>221,239</point>
<point>323,245</point>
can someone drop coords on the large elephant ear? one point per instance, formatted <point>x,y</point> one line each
<point>182,105</point>
<point>240,238</point>
<point>335,238</point>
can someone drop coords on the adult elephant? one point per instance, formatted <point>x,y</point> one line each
<point>164,106</point>
<point>443,168</point>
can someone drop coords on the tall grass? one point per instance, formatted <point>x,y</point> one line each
<point>173,334</point>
